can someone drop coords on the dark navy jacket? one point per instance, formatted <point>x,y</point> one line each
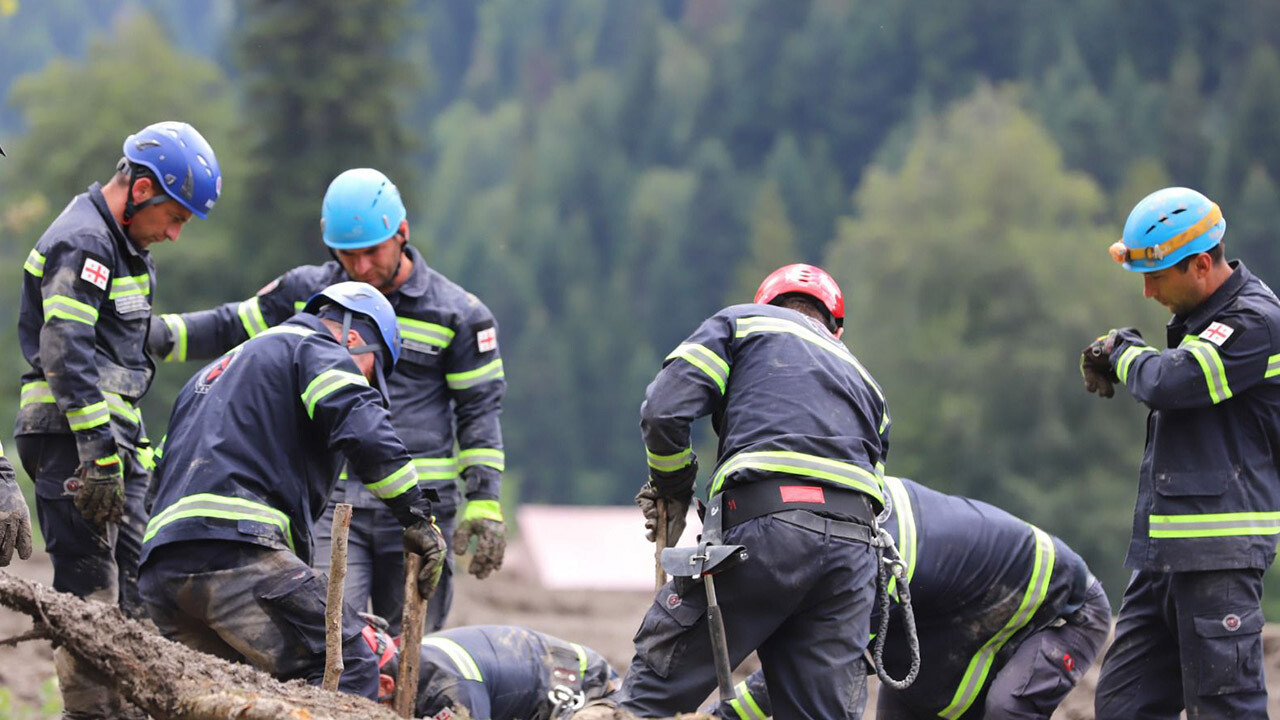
<point>450,374</point>
<point>255,441</point>
<point>1208,489</point>
<point>82,326</point>
<point>981,581</point>
<point>784,397</point>
<point>499,672</point>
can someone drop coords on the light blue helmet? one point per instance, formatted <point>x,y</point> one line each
<point>363,299</point>
<point>1167,226</point>
<point>181,160</point>
<point>361,208</point>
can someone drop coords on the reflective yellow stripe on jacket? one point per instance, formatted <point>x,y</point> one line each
<point>794,463</point>
<point>461,658</point>
<point>224,507</point>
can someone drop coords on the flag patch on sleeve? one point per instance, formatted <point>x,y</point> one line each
<point>95,273</point>
<point>487,339</point>
<point>1217,333</point>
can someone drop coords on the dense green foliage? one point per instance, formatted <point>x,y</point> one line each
<point>606,173</point>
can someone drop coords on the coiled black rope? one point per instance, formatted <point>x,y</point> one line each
<point>889,561</point>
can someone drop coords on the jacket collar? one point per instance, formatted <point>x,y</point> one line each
<point>117,232</point>
<point>1212,307</point>
<point>419,278</point>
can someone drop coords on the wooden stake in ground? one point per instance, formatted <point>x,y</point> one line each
<point>333,666</point>
<point>415,613</point>
<point>660,544</point>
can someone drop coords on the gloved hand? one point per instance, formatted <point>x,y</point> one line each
<point>677,508</point>
<point>482,520</point>
<point>100,498</point>
<point>424,538</point>
<point>1095,366</point>
<point>15,519</point>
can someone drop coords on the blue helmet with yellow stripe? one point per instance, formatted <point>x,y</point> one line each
<point>1167,226</point>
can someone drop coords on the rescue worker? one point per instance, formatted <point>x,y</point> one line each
<point>448,386</point>
<point>252,454</point>
<point>15,518</point>
<point>1189,632</point>
<point>82,327</point>
<point>496,672</point>
<point>1009,617</point>
<point>803,432</point>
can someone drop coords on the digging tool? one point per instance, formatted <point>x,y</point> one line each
<point>333,666</point>
<point>415,612</point>
<point>660,544</point>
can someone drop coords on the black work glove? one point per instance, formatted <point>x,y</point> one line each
<point>1095,366</point>
<point>482,520</point>
<point>677,508</point>
<point>15,519</point>
<point>100,498</point>
<point>424,538</point>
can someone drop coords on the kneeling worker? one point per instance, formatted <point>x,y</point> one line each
<point>254,446</point>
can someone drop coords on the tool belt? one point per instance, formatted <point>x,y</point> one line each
<point>821,508</point>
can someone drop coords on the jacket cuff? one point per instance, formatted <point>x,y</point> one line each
<point>95,444</point>
<point>482,482</point>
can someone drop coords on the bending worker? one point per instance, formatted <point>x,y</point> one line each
<point>1009,618</point>
<point>1189,632</point>
<point>803,433</point>
<point>450,377</point>
<point>252,454</point>
<point>498,672</point>
<point>82,326</point>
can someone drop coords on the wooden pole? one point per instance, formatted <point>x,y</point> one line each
<point>333,666</point>
<point>660,544</point>
<point>415,612</point>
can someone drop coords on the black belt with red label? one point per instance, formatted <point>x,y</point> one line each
<point>766,497</point>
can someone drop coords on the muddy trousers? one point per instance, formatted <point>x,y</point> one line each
<point>375,564</point>
<point>802,601</point>
<point>247,603</point>
<point>1027,685</point>
<point>88,561</point>
<point>1189,640</point>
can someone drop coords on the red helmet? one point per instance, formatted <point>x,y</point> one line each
<point>807,280</point>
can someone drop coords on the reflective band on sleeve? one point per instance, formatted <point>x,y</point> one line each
<point>907,538</point>
<point>483,374</point>
<point>975,676</point>
<point>37,391</point>
<point>670,463</point>
<point>285,330</point>
<point>458,654</point>
<point>222,507</point>
<point>298,305</point>
<point>395,484</point>
<point>705,360</point>
<point>489,457</point>
<point>749,325</point>
<point>34,263</point>
<point>251,316</point>
<point>1215,374</point>
<point>745,705</point>
<point>327,382</point>
<point>794,463</point>
<point>425,332</point>
<point>89,416</point>
<point>146,458</point>
<point>1214,525</point>
<point>582,660</point>
<point>1273,366</point>
<point>178,331</point>
<point>1127,357</point>
<point>122,408</point>
<point>482,510</point>
<point>65,308</point>
<point>130,285</point>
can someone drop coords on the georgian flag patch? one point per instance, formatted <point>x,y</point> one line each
<point>1217,333</point>
<point>95,273</point>
<point>487,339</point>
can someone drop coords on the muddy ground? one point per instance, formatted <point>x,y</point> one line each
<point>603,620</point>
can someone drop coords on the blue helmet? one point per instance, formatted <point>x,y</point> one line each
<point>361,208</point>
<point>1167,226</point>
<point>180,158</point>
<point>363,299</point>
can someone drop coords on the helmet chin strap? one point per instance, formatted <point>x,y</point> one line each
<point>378,380</point>
<point>130,207</point>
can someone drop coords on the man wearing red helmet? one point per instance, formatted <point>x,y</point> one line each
<point>803,432</point>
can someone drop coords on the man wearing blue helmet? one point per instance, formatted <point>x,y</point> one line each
<point>83,325</point>
<point>1189,633</point>
<point>255,443</point>
<point>448,388</point>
